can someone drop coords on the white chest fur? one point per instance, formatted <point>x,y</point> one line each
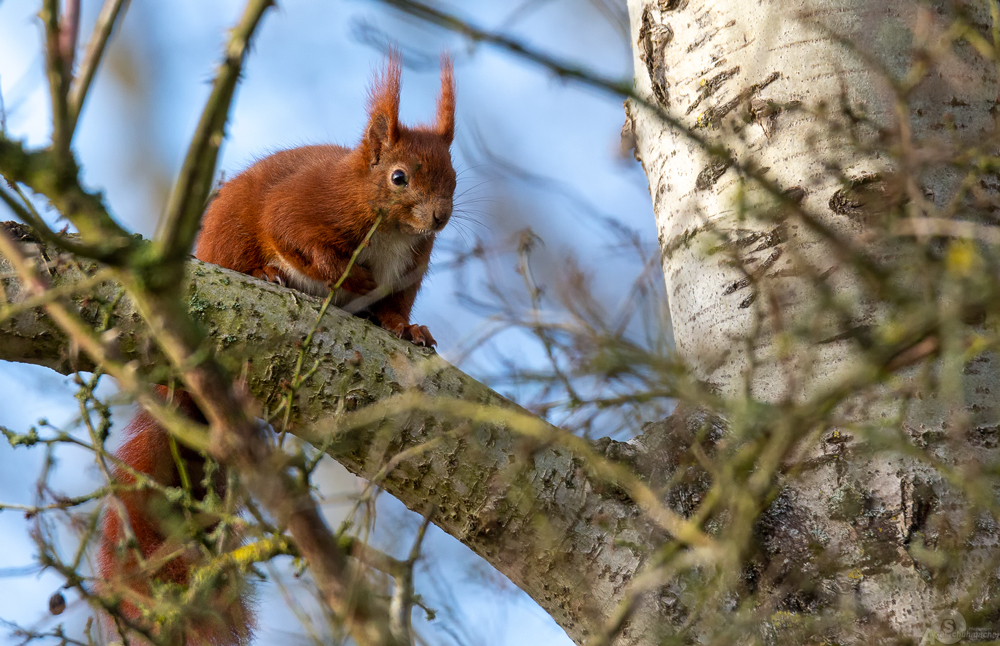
<point>297,280</point>
<point>388,256</point>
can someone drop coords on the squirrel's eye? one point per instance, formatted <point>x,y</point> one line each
<point>399,177</point>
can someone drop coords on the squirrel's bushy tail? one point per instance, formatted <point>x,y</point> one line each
<point>151,542</point>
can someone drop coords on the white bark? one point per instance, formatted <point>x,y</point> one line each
<point>719,64</point>
<point>721,67</point>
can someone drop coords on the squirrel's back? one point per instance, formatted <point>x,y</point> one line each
<point>232,226</point>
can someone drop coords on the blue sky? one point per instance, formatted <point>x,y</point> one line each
<point>305,82</point>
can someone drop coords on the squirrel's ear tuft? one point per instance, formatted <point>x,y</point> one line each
<point>383,108</point>
<point>446,102</point>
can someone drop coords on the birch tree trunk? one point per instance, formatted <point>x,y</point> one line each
<point>796,91</point>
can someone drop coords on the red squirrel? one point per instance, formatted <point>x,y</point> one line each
<point>295,218</point>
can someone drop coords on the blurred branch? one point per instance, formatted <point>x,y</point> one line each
<point>59,70</point>
<point>69,32</point>
<point>561,68</point>
<point>26,213</point>
<point>92,58</point>
<point>370,556</point>
<point>187,200</point>
<point>401,607</point>
<point>931,227</point>
<point>102,238</point>
<point>528,239</point>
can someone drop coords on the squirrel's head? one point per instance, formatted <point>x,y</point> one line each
<point>410,169</point>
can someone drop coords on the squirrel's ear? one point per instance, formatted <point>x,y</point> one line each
<point>446,102</point>
<point>383,109</point>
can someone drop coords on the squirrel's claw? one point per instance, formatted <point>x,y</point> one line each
<point>270,274</point>
<point>418,335</point>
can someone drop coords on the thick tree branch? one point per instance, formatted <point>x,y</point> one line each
<point>235,437</point>
<point>520,499</point>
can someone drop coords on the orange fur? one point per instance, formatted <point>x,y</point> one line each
<point>301,213</point>
<point>296,217</point>
<point>153,520</point>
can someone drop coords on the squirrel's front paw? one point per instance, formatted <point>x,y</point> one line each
<point>271,275</point>
<point>417,334</point>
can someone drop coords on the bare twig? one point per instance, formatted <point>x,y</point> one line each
<point>370,556</point>
<point>62,503</point>
<point>92,57</point>
<point>58,70</point>
<point>187,199</point>
<point>401,608</point>
<point>927,227</point>
<point>69,31</point>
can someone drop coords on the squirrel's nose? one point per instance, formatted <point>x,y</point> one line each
<point>441,217</point>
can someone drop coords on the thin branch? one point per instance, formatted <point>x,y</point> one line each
<point>69,32</point>
<point>187,200</point>
<point>370,556</point>
<point>932,227</point>
<point>58,71</point>
<point>60,503</point>
<point>401,608</point>
<point>25,212</point>
<point>41,171</point>
<point>297,380</point>
<point>92,58</point>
